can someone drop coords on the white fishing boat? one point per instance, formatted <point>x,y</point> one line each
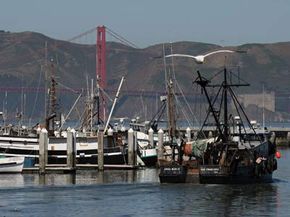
<point>11,164</point>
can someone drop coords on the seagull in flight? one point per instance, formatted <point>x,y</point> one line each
<point>200,58</point>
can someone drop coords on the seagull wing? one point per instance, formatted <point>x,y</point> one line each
<point>219,51</point>
<point>180,55</point>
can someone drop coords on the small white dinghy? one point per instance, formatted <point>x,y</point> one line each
<point>11,164</point>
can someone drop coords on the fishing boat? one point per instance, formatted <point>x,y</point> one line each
<point>115,149</point>
<point>146,150</point>
<point>11,164</point>
<point>57,149</point>
<point>237,153</point>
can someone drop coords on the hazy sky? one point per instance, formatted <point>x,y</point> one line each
<point>147,22</point>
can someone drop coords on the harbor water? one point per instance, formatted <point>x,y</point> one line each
<point>139,193</point>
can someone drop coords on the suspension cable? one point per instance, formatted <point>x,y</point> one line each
<point>120,38</point>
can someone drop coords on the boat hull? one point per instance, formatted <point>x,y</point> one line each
<point>87,152</point>
<point>245,175</point>
<point>112,158</point>
<point>150,161</point>
<point>11,164</point>
<point>173,174</point>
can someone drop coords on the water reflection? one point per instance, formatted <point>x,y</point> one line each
<point>86,177</point>
<point>56,179</point>
<point>219,200</point>
<point>11,180</point>
<point>110,193</point>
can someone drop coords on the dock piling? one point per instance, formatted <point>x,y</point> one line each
<point>160,145</point>
<point>43,143</point>
<point>101,150</point>
<point>131,147</point>
<point>151,138</point>
<point>210,135</point>
<point>188,134</point>
<point>71,150</point>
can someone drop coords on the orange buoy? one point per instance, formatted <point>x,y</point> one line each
<point>278,154</point>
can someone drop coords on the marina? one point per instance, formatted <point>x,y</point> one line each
<point>188,117</point>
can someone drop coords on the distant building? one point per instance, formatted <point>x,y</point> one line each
<point>266,99</point>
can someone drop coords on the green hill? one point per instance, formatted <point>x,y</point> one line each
<point>23,64</point>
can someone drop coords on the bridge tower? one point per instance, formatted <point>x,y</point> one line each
<point>101,67</point>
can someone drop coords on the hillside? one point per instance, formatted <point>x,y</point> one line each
<point>22,64</point>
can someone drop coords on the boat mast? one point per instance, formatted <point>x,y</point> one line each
<point>263,111</point>
<point>171,109</point>
<point>225,86</point>
<point>52,107</point>
<point>169,78</point>
<point>203,83</point>
<point>114,103</point>
<point>45,82</point>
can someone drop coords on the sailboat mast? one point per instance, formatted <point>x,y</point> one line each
<point>263,109</point>
<point>171,110</point>
<point>92,102</point>
<point>114,103</point>
<point>226,133</point>
<point>45,82</point>
<point>52,92</point>
<point>169,80</point>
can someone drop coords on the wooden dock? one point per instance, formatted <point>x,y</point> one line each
<point>63,169</point>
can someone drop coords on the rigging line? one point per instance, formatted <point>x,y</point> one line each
<point>107,95</point>
<point>209,111</point>
<point>238,77</point>
<point>182,111</point>
<point>216,74</point>
<point>241,107</point>
<point>159,112</point>
<point>118,36</point>
<point>149,106</point>
<point>241,119</point>
<point>78,123</point>
<point>186,102</point>
<point>239,114</point>
<point>36,97</point>
<point>143,105</point>
<point>70,111</point>
<point>137,108</point>
<point>68,88</point>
